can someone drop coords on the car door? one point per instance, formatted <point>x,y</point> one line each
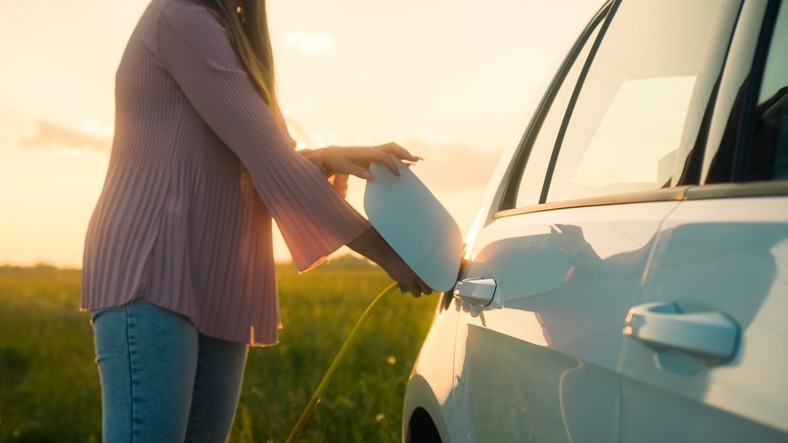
<point>707,352</point>
<point>554,267</point>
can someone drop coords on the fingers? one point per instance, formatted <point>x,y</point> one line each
<point>339,183</point>
<point>387,161</point>
<point>398,151</point>
<point>346,161</point>
<point>382,155</point>
<point>415,291</point>
<point>356,160</point>
<point>416,287</point>
<point>425,289</point>
<point>358,171</point>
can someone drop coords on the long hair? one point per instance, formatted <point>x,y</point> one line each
<point>247,26</point>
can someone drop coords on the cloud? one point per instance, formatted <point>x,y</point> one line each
<point>310,42</point>
<point>451,166</point>
<point>447,165</point>
<point>50,134</point>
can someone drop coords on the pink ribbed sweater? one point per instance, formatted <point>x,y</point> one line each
<point>198,168</point>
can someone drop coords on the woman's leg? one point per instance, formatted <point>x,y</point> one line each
<point>217,388</point>
<point>147,358</point>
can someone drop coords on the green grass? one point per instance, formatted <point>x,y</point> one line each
<point>49,389</point>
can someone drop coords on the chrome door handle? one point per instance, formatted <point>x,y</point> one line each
<point>708,334</point>
<point>479,291</point>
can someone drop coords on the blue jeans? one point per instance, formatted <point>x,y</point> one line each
<point>161,380</point>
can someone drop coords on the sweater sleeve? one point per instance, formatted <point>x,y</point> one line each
<point>194,48</point>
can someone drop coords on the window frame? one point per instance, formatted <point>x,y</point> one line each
<point>742,151</point>
<point>519,160</point>
<point>735,186</point>
<point>756,59</point>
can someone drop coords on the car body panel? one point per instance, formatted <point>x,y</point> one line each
<point>431,382</point>
<point>540,362</point>
<point>735,264</point>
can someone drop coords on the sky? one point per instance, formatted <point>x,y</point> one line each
<point>452,81</point>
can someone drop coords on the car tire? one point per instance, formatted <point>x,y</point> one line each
<point>421,428</point>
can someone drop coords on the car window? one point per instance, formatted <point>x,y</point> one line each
<point>628,123</point>
<point>753,143</point>
<point>533,175</point>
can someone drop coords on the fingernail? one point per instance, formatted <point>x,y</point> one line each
<point>368,176</point>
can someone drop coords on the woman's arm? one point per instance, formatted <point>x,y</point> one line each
<point>194,49</point>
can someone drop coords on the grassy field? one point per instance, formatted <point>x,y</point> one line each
<point>49,390</point>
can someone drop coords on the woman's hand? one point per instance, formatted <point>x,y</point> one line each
<point>355,160</point>
<point>407,279</point>
<point>339,183</point>
<point>371,245</point>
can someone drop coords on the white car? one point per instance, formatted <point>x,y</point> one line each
<point>626,279</point>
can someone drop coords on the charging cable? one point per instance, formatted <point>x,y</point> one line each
<point>299,426</point>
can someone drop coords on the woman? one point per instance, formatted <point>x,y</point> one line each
<point>178,269</point>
